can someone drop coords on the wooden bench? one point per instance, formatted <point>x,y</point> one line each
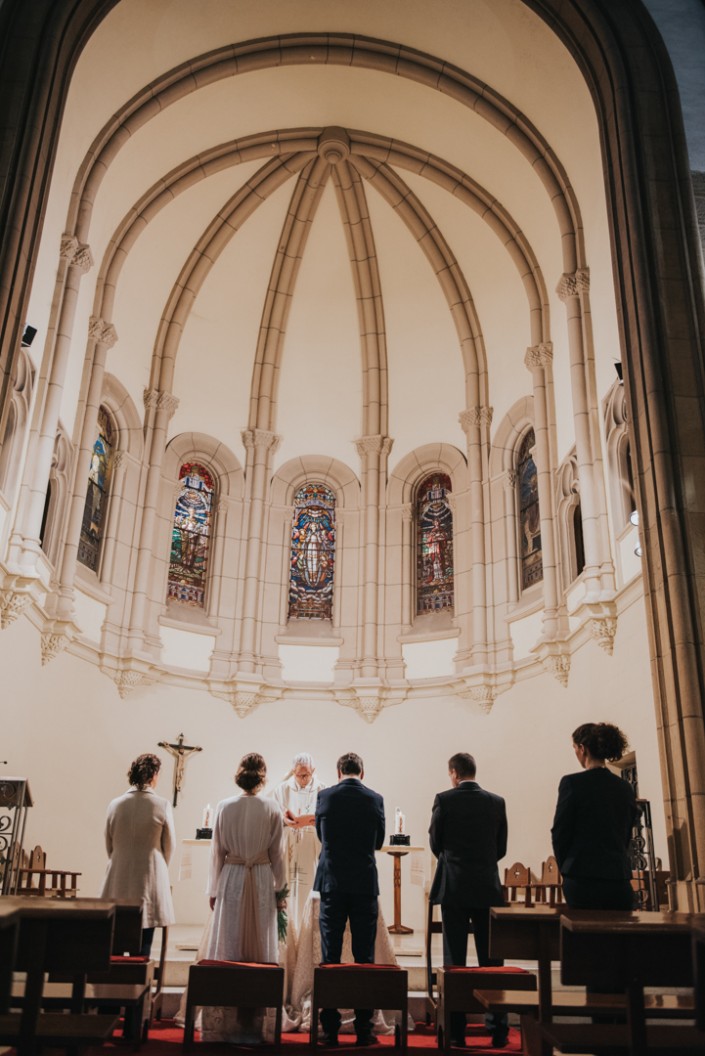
<point>9,931</point>
<point>35,879</point>
<point>519,932</point>
<point>361,986</point>
<point>66,936</point>
<point>126,984</point>
<point>456,993</point>
<point>233,984</point>
<point>625,952</point>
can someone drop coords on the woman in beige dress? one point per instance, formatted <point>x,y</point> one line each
<point>139,837</point>
<point>247,868</point>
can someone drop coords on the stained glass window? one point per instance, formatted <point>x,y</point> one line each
<point>190,536</point>
<point>529,517</point>
<point>578,542</point>
<point>434,545</point>
<point>95,508</point>
<point>312,563</point>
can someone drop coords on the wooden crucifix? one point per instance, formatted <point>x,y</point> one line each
<point>181,752</point>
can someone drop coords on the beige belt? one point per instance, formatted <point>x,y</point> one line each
<point>249,918</point>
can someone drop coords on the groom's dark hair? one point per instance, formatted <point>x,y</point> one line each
<point>351,764</point>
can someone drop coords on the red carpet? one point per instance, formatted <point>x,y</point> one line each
<point>165,1040</point>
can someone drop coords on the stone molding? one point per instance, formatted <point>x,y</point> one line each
<point>603,630</point>
<point>161,401</point>
<point>76,254</point>
<point>558,665</point>
<point>475,417</point>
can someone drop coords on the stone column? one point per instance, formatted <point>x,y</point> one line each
<point>260,446</point>
<point>101,337</point>
<point>511,517</point>
<point>407,566</point>
<point>76,258</point>
<point>160,407</point>
<point>538,359</point>
<point>598,576</point>
<point>374,453</point>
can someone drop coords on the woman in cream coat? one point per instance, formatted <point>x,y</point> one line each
<point>139,836</point>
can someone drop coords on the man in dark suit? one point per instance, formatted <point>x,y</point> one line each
<point>468,836</point>
<point>350,826</point>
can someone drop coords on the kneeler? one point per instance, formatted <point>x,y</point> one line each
<point>361,986</point>
<point>456,992</point>
<point>234,984</point>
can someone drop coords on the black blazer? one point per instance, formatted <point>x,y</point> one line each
<point>468,836</point>
<point>350,826</point>
<point>595,813</point>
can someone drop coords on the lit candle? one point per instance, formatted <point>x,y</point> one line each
<point>398,821</point>
<point>206,817</point>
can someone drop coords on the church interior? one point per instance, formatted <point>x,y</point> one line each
<point>352,400</point>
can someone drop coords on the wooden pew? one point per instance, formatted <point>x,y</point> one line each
<point>56,935</point>
<point>626,952</point>
<point>523,933</point>
<point>9,930</point>
<point>126,984</point>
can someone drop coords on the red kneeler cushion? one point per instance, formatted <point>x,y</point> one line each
<point>478,968</point>
<point>383,967</point>
<point>238,964</point>
<point>129,960</point>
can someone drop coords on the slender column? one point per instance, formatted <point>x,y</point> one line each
<point>260,446</point>
<point>573,290</point>
<point>408,563</point>
<point>538,359</point>
<point>160,407</point>
<point>374,453</point>
<point>76,258</point>
<point>101,338</point>
<point>511,512</point>
<point>476,424</point>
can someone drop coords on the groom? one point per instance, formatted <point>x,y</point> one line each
<point>350,826</point>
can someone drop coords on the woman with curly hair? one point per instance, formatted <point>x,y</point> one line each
<point>593,823</point>
<point>139,837</point>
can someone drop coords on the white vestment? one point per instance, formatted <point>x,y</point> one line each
<point>303,845</point>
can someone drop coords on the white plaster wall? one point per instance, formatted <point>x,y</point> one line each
<point>65,728</point>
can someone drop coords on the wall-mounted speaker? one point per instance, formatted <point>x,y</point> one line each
<point>28,336</point>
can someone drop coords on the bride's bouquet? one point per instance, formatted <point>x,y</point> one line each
<point>282,918</point>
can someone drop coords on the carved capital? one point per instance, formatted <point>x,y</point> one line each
<point>52,645</point>
<point>154,400</point>
<point>261,438</point>
<point>76,254</point>
<point>373,445</point>
<point>407,513</point>
<point>119,459</point>
<point>558,665</point>
<point>475,418</point>
<point>12,605</point>
<point>538,357</point>
<point>484,696</point>
<point>127,682</point>
<point>101,332</point>
<point>603,630</point>
<point>511,479</point>
<point>572,285</point>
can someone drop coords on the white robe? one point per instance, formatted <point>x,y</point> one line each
<point>303,845</point>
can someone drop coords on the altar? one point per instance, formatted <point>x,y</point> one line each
<point>189,892</point>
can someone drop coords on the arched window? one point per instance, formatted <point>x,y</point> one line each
<point>190,536</point>
<point>529,517</point>
<point>96,505</point>
<point>434,545</point>
<point>312,559</point>
<point>578,544</point>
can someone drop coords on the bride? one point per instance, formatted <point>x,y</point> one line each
<point>247,866</point>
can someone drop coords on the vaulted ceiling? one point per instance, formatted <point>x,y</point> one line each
<point>328,219</point>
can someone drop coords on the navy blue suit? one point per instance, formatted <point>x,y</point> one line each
<point>468,836</point>
<point>592,827</point>
<point>350,825</point>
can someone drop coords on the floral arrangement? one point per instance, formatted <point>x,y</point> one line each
<point>282,917</point>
